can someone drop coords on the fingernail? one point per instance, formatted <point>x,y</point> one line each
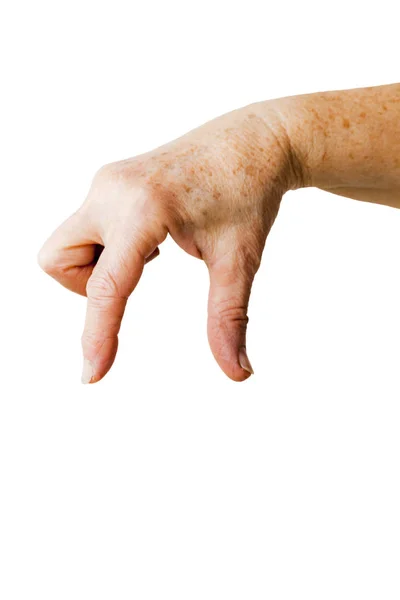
<point>87,372</point>
<point>244,360</point>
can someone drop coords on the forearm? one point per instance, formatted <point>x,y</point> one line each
<point>348,142</point>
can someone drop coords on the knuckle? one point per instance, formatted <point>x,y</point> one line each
<point>105,173</point>
<point>134,180</point>
<point>126,173</point>
<point>229,311</point>
<point>47,261</point>
<point>233,313</point>
<point>146,200</point>
<point>102,287</point>
<point>92,341</point>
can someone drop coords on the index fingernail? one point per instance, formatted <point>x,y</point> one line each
<point>87,372</point>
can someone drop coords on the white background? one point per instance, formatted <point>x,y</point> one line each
<point>168,480</point>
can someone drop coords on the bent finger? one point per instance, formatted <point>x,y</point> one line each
<point>70,253</point>
<point>113,279</point>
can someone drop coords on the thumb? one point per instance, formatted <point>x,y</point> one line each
<point>113,279</point>
<point>231,279</point>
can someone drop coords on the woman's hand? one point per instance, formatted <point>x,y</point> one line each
<point>216,191</point>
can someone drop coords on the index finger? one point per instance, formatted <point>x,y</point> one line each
<point>113,279</point>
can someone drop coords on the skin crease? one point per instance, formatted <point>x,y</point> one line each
<point>217,191</point>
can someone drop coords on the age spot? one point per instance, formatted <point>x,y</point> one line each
<point>249,170</point>
<point>346,123</point>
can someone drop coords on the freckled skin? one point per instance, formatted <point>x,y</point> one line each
<point>357,153</point>
<point>216,191</point>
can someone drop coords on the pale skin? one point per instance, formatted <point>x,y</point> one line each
<point>216,191</point>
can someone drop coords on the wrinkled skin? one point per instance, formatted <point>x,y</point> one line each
<point>216,191</point>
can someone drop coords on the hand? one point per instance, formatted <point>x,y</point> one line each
<point>216,191</point>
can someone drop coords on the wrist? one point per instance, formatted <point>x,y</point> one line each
<point>346,141</point>
<point>306,136</point>
<point>278,127</point>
